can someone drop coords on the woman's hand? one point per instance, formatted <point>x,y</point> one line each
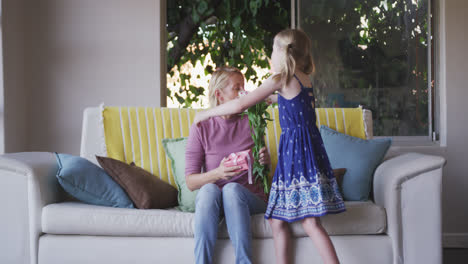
<point>264,156</point>
<point>226,173</point>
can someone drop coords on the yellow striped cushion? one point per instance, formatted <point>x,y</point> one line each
<point>135,133</point>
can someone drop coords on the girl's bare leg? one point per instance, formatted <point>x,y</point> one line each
<point>282,240</point>
<point>321,240</point>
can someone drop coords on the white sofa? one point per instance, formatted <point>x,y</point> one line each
<point>39,225</point>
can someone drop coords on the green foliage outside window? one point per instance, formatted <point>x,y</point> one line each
<point>372,53</point>
<point>233,32</point>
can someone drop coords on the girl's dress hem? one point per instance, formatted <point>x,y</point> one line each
<point>304,216</point>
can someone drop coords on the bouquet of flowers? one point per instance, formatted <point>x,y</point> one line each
<point>258,117</point>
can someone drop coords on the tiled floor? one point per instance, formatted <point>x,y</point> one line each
<point>455,255</point>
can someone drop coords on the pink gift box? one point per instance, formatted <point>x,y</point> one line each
<point>243,159</point>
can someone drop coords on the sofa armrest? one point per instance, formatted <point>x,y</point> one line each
<point>29,183</point>
<point>409,188</point>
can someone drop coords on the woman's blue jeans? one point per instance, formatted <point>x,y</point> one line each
<point>237,203</point>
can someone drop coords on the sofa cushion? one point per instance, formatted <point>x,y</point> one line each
<point>175,151</point>
<point>360,157</point>
<point>145,190</point>
<point>87,182</point>
<point>74,218</point>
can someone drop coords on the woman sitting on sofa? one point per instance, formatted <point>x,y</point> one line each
<point>223,192</point>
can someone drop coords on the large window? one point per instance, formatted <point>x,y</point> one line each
<point>374,53</point>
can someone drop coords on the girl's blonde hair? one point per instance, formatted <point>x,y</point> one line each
<point>219,80</point>
<point>295,51</point>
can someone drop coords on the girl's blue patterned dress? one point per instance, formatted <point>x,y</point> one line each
<point>303,184</point>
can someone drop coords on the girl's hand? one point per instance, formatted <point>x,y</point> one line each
<point>200,116</point>
<point>226,173</point>
<point>271,99</point>
<point>264,156</point>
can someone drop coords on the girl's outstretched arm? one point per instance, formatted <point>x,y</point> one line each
<point>239,105</point>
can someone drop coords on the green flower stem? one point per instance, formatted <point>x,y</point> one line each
<point>258,117</point>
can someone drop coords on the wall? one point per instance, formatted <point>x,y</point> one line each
<point>61,56</point>
<point>80,54</point>
<point>455,182</point>
<point>2,100</point>
<point>15,108</point>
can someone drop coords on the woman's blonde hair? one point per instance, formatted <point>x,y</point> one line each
<point>295,52</point>
<point>219,80</point>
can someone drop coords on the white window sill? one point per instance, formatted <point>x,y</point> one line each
<point>412,141</point>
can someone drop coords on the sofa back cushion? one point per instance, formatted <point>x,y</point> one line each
<point>136,133</point>
<point>88,183</point>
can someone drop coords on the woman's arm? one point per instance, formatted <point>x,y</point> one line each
<point>195,161</point>
<point>197,180</point>
<point>235,106</point>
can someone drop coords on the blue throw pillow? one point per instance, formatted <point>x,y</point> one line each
<point>360,158</point>
<point>89,183</point>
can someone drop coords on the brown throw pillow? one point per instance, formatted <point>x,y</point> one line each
<point>339,173</point>
<point>144,189</point>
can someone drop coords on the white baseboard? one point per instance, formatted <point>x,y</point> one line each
<point>455,240</point>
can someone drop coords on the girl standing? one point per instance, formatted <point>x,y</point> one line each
<point>303,187</point>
